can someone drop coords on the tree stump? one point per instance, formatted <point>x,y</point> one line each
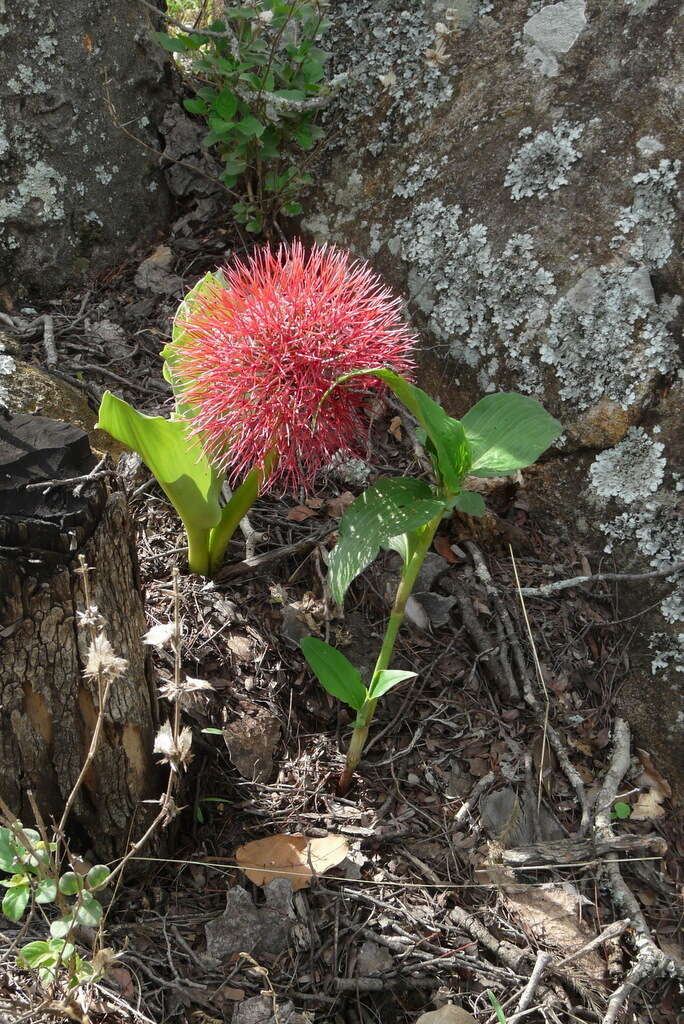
<point>48,708</point>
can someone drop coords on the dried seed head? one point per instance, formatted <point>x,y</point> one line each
<point>184,690</point>
<point>102,662</point>
<point>172,751</point>
<point>160,634</point>
<point>90,618</point>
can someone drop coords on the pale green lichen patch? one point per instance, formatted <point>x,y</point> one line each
<point>386,53</point>
<point>650,218</point>
<point>542,163</point>
<point>609,338</point>
<point>476,296</point>
<point>38,193</point>
<point>633,469</point>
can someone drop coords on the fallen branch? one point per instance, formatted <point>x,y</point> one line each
<point>600,577</point>
<point>569,852</point>
<point>650,963</point>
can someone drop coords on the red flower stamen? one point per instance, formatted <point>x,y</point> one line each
<point>265,347</point>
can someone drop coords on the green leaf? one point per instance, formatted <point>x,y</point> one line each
<point>335,673</point>
<point>387,678</point>
<point>211,731</point>
<point>14,903</point>
<point>97,876</point>
<point>180,337</point>
<point>621,810</point>
<point>470,503</point>
<point>60,928</point>
<point>8,848</point>
<point>195,106</point>
<point>392,507</point>
<point>88,912</point>
<point>46,890</point>
<point>497,1007</point>
<point>251,127</point>
<point>507,432</point>
<point>225,105</point>
<point>70,883</point>
<point>451,450</point>
<point>174,44</point>
<point>177,462</point>
<point>292,209</point>
<point>290,94</point>
<point>34,953</point>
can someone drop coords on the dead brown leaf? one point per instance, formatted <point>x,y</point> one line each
<point>447,1014</point>
<point>655,779</point>
<point>648,806</point>
<point>336,506</point>
<point>300,513</point>
<point>443,547</point>
<point>240,646</point>
<point>314,503</point>
<point>394,427</point>
<point>290,856</point>
<point>552,916</point>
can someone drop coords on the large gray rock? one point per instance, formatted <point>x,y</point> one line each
<point>75,190</point>
<point>512,167</point>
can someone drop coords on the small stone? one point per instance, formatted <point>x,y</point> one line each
<point>237,930</point>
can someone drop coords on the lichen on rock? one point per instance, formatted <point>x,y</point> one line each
<point>609,337</point>
<point>541,165</point>
<point>651,216</point>
<point>631,470</point>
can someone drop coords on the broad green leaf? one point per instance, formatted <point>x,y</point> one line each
<point>62,948</point>
<point>290,94</point>
<point>46,890</point>
<point>507,432</point>
<point>451,449</point>
<point>34,953</point>
<point>173,44</point>
<point>621,810</point>
<point>335,673</point>
<point>14,903</point>
<point>225,105</point>
<point>70,883</point>
<point>88,912</point>
<point>469,502</point>
<point>178,463</point>
<point>251,127</point>
<point>60,928</point>
<point>195,105</point>
<point>392,507</point>
<point>386,679</point>
<point>97,876</point>
<point>8,855</point>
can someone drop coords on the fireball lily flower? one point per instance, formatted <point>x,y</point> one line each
<point>261,350</point>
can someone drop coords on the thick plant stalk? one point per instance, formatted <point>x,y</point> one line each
<point>236,509</point>
<point>198,550</point>
<point>406,584</point>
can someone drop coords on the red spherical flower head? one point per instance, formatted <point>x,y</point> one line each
<point>264,348</point>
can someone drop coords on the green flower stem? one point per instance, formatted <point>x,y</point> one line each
<point>198,550</point>
<point>406,584</point>
<point>236,509</point>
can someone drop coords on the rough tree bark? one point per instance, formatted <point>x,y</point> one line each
<point>47,708</point>
<point>75,190</point>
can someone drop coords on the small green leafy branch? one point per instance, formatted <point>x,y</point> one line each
<point>260,82</point>
<point>501,434</point>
